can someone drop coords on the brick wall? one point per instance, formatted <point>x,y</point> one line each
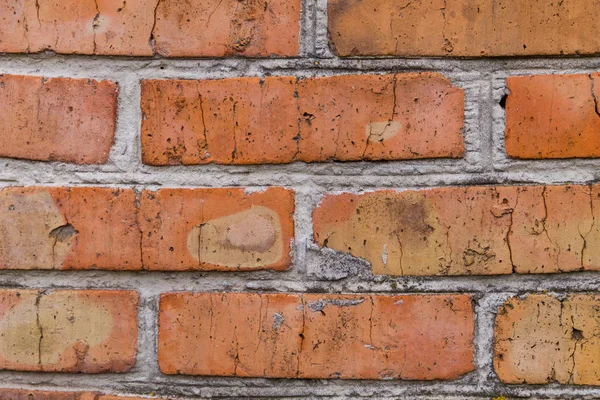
<point>299,199</point>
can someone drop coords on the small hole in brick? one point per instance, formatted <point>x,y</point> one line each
<point>503,101</point>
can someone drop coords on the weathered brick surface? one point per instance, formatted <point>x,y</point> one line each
<point>68,330</point>
<point>463,28</point>
<point>217,28</point>
<point>171,229</point>
<point>57,119</point>
<point>217,229</point>
<point>68,228</point>
<point>541,339</point>
<point>214,28</point>
<point>553,116</point>
<point>22,394</point>
<point>465,231</point>
<point>284,119</point>
<point>357,336</point>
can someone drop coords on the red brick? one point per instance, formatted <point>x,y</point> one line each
<point>217,229</point>
<point>553,116</point>
<point>415,337</point>
<point>215,28</point>
<point>57,119</point>
<point>541,339</point>
<point>463,28</point>
<point>218,28</point>
<point>22,394</point>
<point>465,231</point>
<point>69,228</point>
<point>283,119</point>
<point>68,330</point>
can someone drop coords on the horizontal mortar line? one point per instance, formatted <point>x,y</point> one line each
<point>165,385</point>
<point>294,174</point>
<point>161,67</point>
<point>154,283</point>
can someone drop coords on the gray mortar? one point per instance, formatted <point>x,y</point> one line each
<point>313,270</point>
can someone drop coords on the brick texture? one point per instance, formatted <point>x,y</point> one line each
<point>117,229</point>
<point>213,28</point>
<point>465,231</point>
<point>463,28</point>
<point>541,339</point>
<point>217,229</point>
<point>68,228</point>
<point>57,119</point>
<point>553,116</point>
<point>22,394</point>
<point>316,335</point>
<point>283,119</point>
<point>68,330</point>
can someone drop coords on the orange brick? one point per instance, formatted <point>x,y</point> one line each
<point>217,229</point>
<point>283,119</point>
<point>57,119</point>
<point>416,337</point>
<point>463,28</point>
<point>465,231</point>
<point>541,339</point>
<point>222,28</point>
<point>213,28</point>
<point>553,116</point>
<point>22,394</point>
<point>68,330</point>
<point>69,228</point>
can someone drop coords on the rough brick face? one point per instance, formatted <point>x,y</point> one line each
<point>463,28</point>
<point>541,339</point>
<point>316,335</point>
<point>117,229</point>
<point>68,330</point>
<point>283,119</point>
<point>217,229</point>
<point>57,119</point>
<point>465,231</point>
<point>21,394</point>
<point>212,28</point>
<point>68,228</point>
<point>553,116</point>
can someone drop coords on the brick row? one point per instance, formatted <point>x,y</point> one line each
<point>538,338</point>
<point>277,120</point>
<point>261,28</point>
<point>445,231</point>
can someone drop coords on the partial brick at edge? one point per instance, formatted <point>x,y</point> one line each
<point>463,28</point>
<point>89,331</point>
<point>57,119</point>
<point>477,230</point>
<point>209,28</point>
<point>283,119</point>
<point>24,394</point>
<point>316,336</point>
<point>553,116</point>
<point>541,338</point>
